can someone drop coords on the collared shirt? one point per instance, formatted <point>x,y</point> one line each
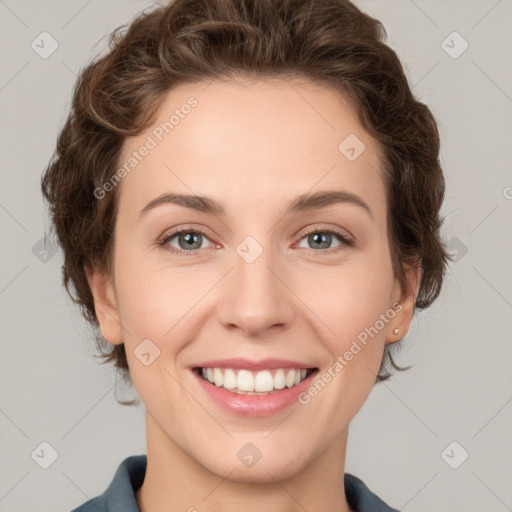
<point>120,494</point>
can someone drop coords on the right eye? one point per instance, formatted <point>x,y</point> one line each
<point>186,238</point>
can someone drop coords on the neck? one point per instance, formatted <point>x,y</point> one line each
<point>176,481</point>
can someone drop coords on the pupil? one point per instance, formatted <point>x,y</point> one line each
<point>191,239</point>
<point>315,238</point>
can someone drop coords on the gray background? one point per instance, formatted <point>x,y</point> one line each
<point>54,391</point>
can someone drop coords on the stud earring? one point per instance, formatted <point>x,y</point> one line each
<point>396,331</point>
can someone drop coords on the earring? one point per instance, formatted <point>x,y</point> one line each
<point>396,331</point>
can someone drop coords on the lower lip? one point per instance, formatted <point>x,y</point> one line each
<point>254,405</point>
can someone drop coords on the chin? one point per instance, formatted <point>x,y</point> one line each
<point>267,469</point>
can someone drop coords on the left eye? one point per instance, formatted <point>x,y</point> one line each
<point>324,237</point>
<point>191,240</point>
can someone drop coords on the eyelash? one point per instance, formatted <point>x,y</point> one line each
<point>345,241</point>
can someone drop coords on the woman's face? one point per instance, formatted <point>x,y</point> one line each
<point>260,280</point>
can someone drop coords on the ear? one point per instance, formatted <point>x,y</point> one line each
<point>404,299</point>
<point>105,304</point>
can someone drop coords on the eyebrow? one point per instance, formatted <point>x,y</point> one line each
<point>303,203</point>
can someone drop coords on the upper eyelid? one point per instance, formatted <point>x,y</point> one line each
<point>305,231</point>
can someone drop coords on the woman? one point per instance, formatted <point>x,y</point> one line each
<point>205,157</point>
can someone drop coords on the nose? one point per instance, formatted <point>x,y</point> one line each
<point>256,299</point>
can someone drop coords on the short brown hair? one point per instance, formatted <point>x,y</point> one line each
<point>330,42</point>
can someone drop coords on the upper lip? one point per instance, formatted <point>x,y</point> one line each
<point>247,364</point>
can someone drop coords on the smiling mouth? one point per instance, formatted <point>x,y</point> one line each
<point>246,382</point>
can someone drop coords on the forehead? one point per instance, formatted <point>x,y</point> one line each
<point>247,142</point>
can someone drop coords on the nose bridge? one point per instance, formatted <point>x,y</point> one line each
<point>256,299</point>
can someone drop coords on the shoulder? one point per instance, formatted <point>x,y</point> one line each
<point>361,499</point>
<point>93,505</point>
<point>120,494</point>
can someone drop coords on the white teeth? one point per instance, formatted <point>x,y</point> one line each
<point>247,382</point>
<point>264,381</point>
<point>290,378</point>
<point>279,381</point>
<point>218,378</point>
<point>229,379</point>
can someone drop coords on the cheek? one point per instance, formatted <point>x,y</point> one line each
<point>353,307</point>
<point>150,300</point>
<point>156,304</point>
<point>153,302</point>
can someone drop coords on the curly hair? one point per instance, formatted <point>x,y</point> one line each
<point>329,42</point>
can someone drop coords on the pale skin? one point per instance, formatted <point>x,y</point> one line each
<point>253,147</point>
